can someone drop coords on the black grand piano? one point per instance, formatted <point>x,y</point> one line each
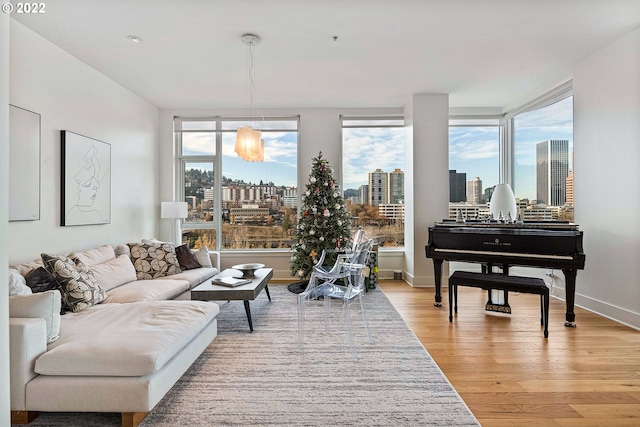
<point>546,244</point>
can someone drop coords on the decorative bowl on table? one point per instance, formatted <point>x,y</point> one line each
<point>248,270</point>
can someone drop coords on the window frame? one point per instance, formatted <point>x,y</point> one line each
<point>395,121</point>
<point>216,160</point>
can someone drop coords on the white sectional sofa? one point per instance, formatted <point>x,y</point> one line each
<point>119,355</point>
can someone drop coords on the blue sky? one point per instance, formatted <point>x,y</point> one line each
<point>472,150</point>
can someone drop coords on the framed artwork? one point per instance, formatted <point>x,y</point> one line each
<point>24,164</point>
<point>86,180</point>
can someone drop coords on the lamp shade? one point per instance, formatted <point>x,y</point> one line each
<point>173,210</point>
<point>503,200</point>
<point>249,145</point>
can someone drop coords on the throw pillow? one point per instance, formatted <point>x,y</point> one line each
<point>202,255</point>
<point>78,286</point>
<point>17,283</point>
<point>186,258</point>
<point>114,273</point>
<point>122,250</point>
<point>154,260</point>
<point>40,280</point>
<point>43,305</point>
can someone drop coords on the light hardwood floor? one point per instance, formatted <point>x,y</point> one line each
<point>509,375</point>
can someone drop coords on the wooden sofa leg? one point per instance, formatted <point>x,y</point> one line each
<point>23,417</point>
<point>132,419</point>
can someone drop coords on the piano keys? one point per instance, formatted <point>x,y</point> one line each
<point>546,244</point>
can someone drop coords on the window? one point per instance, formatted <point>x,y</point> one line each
<point>373,177</point>
<point>474,166</point>
<point>543,160</point>
<point>234,204</point>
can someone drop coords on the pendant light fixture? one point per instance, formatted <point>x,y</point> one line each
<point>249,142</point>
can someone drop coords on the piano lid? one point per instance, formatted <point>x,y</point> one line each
<point>537,225</point>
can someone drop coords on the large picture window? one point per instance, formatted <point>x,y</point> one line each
<point>543,161</point>
<point>373,176</point>
<point>235,204</point>
<point>474,165</point>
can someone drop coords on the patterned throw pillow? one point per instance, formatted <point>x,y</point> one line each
<point>154,260</point>
<point>78,287</point>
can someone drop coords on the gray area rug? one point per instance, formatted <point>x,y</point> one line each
<point>260,379</point>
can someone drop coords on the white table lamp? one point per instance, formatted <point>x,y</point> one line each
<point>503,200</point>
<point>175,211</point>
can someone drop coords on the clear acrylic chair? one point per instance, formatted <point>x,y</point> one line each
<point>345,255</point>
<point>324,283</point>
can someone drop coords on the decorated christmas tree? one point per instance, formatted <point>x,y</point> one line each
<point>323,221</point>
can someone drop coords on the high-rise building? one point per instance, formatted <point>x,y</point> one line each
<point>363,194</point>
<point>457,186</point>
<point>378,187</point>
<point>569,189</point>
<point>552,169</point>
<point>396,186</point>
<point>474,191</point>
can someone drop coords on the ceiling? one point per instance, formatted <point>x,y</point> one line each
<point>484,53</point>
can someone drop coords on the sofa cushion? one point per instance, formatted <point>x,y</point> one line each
<point>115,272</point>
<point>26,267</point>
<point>76,282</point>
<point>186,258</point>
<point>43,305</point>
<point>99,255</point>
<point>147,290</point>
<point>17,283</point>
<point>194,277</point>
<point>202,255</point>
<point>124,339</point>
<point>154,260</point>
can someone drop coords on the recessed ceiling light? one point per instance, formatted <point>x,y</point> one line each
<point>134,39</point>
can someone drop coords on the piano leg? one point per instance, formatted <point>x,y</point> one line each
<point>570,281</point>
<point>437,270</point>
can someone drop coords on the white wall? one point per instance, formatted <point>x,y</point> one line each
<point>70,95</point>
<point>607,196</point>
<point>4,217</point>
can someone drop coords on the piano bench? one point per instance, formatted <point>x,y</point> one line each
<point>529,285</point>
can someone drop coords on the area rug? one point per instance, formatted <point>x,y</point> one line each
<point>260,379</point>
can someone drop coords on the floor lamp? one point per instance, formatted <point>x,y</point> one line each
<point>175,211</point>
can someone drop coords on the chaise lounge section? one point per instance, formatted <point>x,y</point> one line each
<point>122,354</point>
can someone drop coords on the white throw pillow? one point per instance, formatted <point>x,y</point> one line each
<point>202,255</point>
<point>99,255</point>
<point>42,305</point>
<point>17,284</point>
<point>115,272</point>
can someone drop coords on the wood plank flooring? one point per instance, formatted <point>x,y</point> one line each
<point>509,375</point>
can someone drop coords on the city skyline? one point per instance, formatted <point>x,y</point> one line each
<point>474,150</point>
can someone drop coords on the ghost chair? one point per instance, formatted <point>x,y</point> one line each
<point>327,285</point>
<point>345,254</point>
